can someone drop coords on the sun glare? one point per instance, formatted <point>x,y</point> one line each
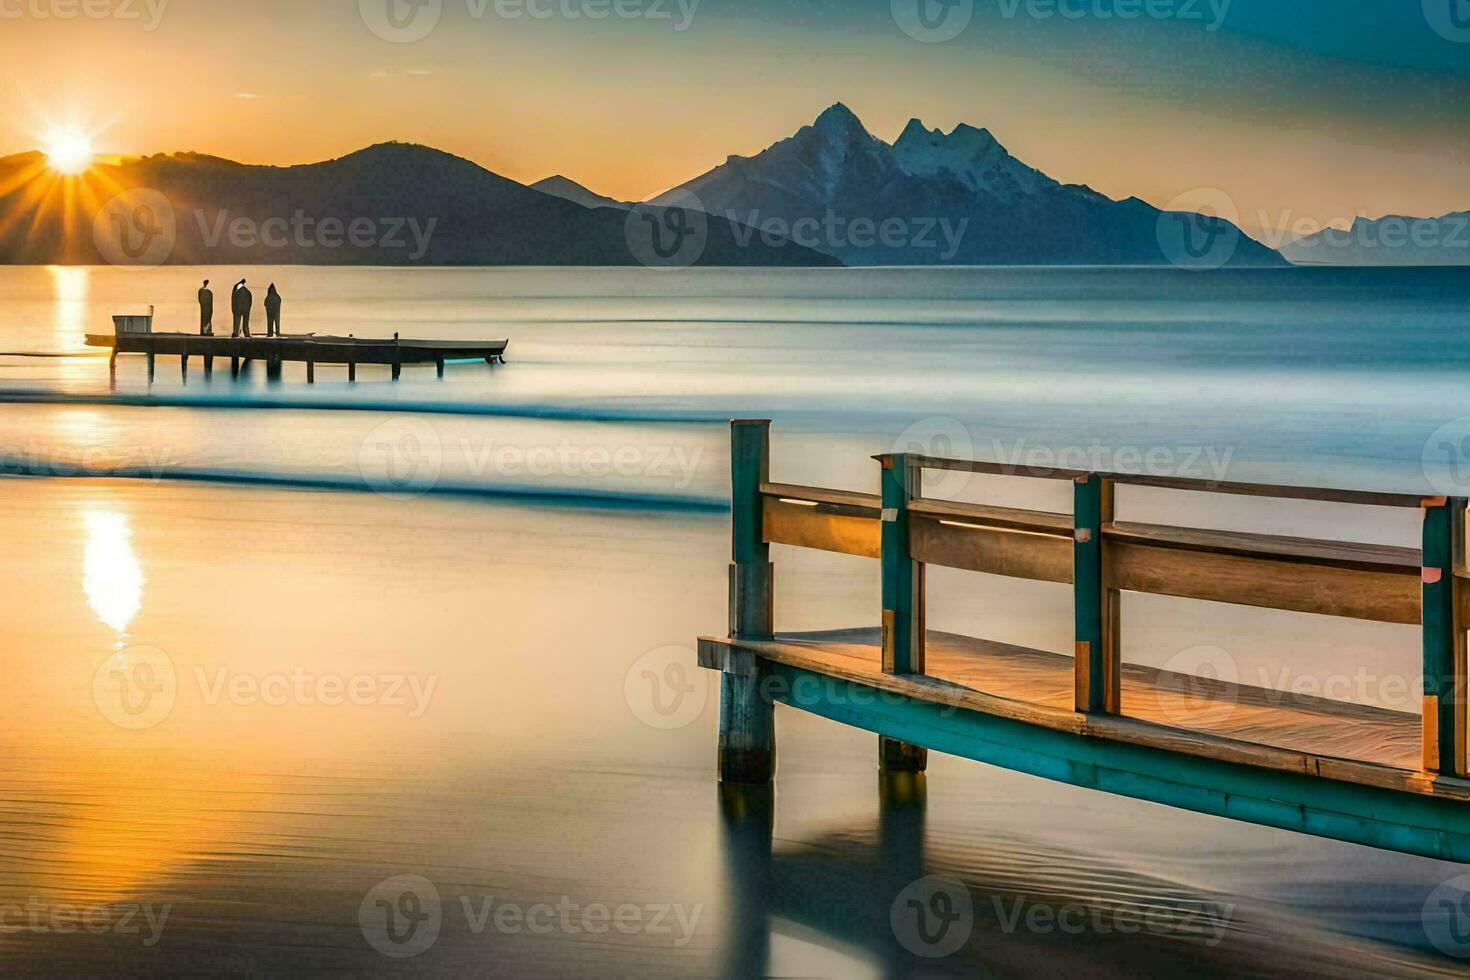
<point>68,151</point>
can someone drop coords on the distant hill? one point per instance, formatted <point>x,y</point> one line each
<point>569,190</point>
<point>1393,240</point>
<point>391,204</point>
<point>956,199</point>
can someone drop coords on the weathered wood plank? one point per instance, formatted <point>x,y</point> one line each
<point>837,528</point>
<point>996,551</point>
<point>1270,583</point>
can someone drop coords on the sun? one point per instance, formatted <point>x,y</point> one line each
<point>68,150</point>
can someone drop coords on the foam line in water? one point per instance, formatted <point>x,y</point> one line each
<point>574,497</point>
<point>571,413</point>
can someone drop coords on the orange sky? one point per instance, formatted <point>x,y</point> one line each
<point>631,107</point>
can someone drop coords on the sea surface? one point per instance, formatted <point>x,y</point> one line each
<point>276,653</point>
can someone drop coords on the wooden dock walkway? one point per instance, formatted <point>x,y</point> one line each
<point>1265,757</point>
<point>309,349</point>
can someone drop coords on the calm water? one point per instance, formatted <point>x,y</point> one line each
<point>406,630</point>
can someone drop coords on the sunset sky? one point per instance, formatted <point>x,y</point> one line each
<point>1296,108</point>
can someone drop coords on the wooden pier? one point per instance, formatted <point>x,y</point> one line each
<point>311,350</point>
<point>1162,737</point>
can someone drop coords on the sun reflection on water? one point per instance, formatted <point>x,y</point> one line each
<point>111,576</point>
<point>71,288</point>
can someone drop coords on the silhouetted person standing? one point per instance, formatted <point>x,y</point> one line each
<point>272,312</point>
<point>206,311</point>
<point>241,302</point>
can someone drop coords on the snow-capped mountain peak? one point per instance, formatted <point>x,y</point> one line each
<point>973,155</point>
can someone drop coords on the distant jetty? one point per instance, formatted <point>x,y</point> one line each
<point>135,335</point>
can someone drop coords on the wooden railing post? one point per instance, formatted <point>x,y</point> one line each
<point>751,576</point>
<point>1444,639</point>
<point>903,599</point>
<point>1099,660</point>
<point>747,713</point>
<point>903,578</point>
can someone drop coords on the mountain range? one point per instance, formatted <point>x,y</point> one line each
<point>833,193</point>
<point>1393,240</point>
<point>996,209</point>
<point>391,204</point>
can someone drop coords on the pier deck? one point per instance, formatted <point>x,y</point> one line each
<point>309,349</point>
<point>1388,779</point>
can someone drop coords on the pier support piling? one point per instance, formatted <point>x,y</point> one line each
<point>234,367</point>
<point>352,371</point>
<point>208,367</point>
<point>152,366</point>
<point>311,372</point>
<point>747,713</point>
<point>895,756</point>
<point>439,364</point>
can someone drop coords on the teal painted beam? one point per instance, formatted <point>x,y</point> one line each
<point>1098,669</point>
<point>1397,821</point>
<point>903,578</point>
<point>1439,638</point>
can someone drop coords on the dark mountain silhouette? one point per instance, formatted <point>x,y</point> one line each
<point>391,204</point>
<point>958,199</point>
<point>1393,240</point>
<point>569,190</point>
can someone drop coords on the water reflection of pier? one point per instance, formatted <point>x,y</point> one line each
<point>1031,908</point>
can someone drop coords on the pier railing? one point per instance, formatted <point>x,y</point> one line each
<point>1101,558</point>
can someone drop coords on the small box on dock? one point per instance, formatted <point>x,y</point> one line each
<point>134,324</point>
